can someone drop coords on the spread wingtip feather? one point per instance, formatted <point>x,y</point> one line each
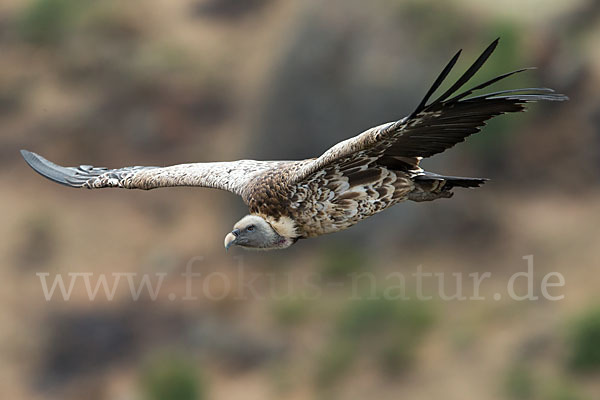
<point>64,176</point>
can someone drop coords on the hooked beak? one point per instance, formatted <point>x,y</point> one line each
<point>231,238</point>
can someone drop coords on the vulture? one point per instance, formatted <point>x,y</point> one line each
<point>353,180</point>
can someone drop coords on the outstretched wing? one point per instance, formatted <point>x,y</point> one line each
<point>231,176</point>
<point>431,128</point>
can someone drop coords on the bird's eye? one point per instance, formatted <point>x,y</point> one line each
<point>250,228</point>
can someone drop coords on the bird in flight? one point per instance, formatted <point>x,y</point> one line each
<point>353,180</point>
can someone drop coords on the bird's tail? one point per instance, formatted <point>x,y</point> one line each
<point>430,186</point>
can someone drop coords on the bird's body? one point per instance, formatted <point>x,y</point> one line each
<point>353,180</point>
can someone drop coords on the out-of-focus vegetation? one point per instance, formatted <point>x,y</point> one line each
<point>171,378</point>
<point>520,383</point>
<point>341,261</point>
<point>151,82</point>
<point>584,342</point>
<point>388,332</point>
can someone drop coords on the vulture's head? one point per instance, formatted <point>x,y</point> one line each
<point>253,232</point>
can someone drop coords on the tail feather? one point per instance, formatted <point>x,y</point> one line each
<point>450,181</point>
<point>430,186</point>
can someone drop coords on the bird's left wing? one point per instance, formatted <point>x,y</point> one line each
<point>430,129</point>
<point>231,176</point>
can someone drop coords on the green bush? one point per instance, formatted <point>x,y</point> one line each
<point>340,261</point>
<point>335,360</point>
<point>522,384</point>
<point>172,378</point>
<point>584,342</point>
<point>290,312</point>
<point>46,22</point>
<point>563,391</point>
<point>388,331</point>
<point>519,383</point>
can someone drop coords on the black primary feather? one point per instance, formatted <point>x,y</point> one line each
<point>76,177</point>
<point>446,121</point>
<point>436,84</point>
<point>63,175</point>
<point>469,72</point>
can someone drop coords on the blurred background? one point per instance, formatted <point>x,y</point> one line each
<point>115,83</point>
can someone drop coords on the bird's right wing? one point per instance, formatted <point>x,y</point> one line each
<point>231,176</point>
<point>430,129</point>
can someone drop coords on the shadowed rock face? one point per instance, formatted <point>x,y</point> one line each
<point>79,344</point>
<point>322,93</point>
<point>228,9</point>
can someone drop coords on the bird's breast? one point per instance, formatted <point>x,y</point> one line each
<point>336,201</point>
